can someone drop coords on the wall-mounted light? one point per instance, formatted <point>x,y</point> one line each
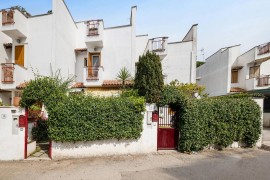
<point>18,41</point>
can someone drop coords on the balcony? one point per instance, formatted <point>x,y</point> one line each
<point>159,46</point>
<point>14,23</point>
<point>94,33</point>
<point>258,83</point>
<point>12,75</point>
<point>263,81</point>
<point>93,75</point>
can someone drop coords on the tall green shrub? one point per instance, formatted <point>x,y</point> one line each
<point>219,121</point>
<point>149,77</point>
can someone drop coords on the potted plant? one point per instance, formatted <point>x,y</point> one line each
<point>34,111</point>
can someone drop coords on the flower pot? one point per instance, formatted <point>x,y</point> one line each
<point>16,101</point>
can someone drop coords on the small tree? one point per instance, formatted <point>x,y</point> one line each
<point>123,75</point>
<point>149,77</point>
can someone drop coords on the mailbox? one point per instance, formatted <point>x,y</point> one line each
<point>22,121</point>
<point>155,116</point>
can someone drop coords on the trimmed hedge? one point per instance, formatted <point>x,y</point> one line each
<point>86,118</point>
<point>218,121</point>
<point>77,117</point>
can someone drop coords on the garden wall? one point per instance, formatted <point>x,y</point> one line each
<point>147,143</point>
<point>11,136</point>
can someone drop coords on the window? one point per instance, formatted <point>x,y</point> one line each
<point>95,61</point>
<point>254,71</point>
<point>234,78</point>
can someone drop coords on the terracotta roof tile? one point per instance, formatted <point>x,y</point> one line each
<point>80,49</point>
<point>22,85</point>
<point>78,85</point>
<point>115,83</point>
<point>237,89</point>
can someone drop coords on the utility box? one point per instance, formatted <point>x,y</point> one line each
<point>155,116</point>
<point>22,121</point>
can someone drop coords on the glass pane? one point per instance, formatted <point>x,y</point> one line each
<point>95,60</point>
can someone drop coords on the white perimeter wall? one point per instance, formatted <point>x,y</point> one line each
<point>147,143</point>
<point>11,136</point>
<point>177,63</point>
<point>259,101</point>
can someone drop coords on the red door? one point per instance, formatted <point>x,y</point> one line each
<point>167,138</point>
<point>167,133</point>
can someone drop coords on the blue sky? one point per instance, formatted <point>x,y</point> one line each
<point>221,23</point>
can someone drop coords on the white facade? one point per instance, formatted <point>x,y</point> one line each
<point>216,74</point>
<point>55,41</point>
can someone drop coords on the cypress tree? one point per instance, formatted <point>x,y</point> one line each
<point>149,77</point>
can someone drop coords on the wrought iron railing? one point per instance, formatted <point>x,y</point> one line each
<point>8,16</point>
<point>7,72</point>
<point>92,72</point>
<point>263,81</point>
<point>92,28</point>
<point>263,49</point>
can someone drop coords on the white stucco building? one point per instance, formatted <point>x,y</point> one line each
<point>87,49</point>
<point>228,71</point>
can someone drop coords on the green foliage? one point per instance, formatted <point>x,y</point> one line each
<point>149,77</point>
<point>129,93</point>
<point>86,118</point>
<point>213,121</point>
<point>123,75</point>
<point>199,63</point>
<point>78,117</point>
<point>40,131</point>
<point>45,90</point>
<point>190,89</point>
<point>219,121</point>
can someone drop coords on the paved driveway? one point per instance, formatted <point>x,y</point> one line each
<point>229,164</point>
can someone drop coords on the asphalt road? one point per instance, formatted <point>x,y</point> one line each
<point>236,164</point>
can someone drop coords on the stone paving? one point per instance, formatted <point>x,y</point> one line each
<point>41,152</point>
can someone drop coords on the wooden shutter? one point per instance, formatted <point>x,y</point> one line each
<point>234,78</point>
<point>19,55</point>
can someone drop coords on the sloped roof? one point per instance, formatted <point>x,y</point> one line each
<point>78,85</point>
<point>237,89</point>
<point>115,83</point>
<point>22,85</point>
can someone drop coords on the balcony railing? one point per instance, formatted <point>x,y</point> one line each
<point>92,28</point>
<point>8,16</point>
<point>92,72</point>
<point>263,81</point>
<point>263,49</point>
<point>158,44</point>
<point>7,72</point>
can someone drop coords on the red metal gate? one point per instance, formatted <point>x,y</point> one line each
<point>168,134</point>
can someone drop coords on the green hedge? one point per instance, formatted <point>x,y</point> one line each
<point>86,118</point>
<point>218,121</point>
